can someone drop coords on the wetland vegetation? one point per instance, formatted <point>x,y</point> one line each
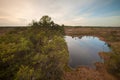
<point>42,52</point>
<point>38,52</point>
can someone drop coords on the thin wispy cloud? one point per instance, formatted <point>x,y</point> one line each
<point>68,12</point>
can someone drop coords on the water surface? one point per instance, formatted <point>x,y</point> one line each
<point>83,51</point>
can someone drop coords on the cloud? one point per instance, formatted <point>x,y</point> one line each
<point>12,21</point>
<point>72,12</point>
<point>98,21</point>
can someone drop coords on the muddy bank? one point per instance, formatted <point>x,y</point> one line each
<point>86,73</point>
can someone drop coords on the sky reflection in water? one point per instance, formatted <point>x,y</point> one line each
<point>83,51</point>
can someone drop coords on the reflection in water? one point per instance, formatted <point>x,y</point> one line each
<point>84,50</point>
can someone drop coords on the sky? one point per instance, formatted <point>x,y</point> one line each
<point>67,12</point>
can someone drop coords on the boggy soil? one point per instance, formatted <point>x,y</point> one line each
<point>100,73</point>
<point>85,73</point>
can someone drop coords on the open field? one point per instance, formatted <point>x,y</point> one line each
<point>93,31</point>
